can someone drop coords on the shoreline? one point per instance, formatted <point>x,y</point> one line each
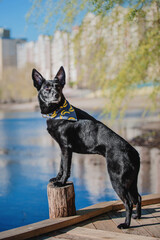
<point>83,102</point>
<point>135,111</point>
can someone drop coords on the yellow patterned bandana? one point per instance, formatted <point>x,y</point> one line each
<point>64,112</point>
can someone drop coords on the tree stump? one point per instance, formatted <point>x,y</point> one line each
<point>61,200</point>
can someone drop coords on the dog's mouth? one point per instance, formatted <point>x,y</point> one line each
<point>50,100</point>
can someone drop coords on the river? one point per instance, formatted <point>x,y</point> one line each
<point>29,158</point>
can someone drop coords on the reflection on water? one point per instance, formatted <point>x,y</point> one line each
<point>29,158</point>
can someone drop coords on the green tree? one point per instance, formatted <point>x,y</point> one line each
<point>138,64</point>
<point>65,13</point>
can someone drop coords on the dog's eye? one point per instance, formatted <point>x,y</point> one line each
<point>47,88</point>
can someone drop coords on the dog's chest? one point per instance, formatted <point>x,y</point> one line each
<point>56,128</point>
<point>53,130</point>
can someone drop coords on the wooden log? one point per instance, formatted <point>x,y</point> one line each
<point>61,200</point>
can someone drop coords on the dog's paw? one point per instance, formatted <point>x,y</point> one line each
<point>123,226</point>
<point>52,180</point>
<point>58,184</point>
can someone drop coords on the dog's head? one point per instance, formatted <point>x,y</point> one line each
<point>49,91</point>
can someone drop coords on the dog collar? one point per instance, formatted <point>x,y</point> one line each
<point>66,112</point>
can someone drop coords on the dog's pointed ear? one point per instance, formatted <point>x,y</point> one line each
<point>37,79</point>
<point>61,76</point>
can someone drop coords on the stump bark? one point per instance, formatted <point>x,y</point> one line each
<point>61,200</point>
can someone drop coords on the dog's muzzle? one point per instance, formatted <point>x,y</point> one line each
<point>50,98</point>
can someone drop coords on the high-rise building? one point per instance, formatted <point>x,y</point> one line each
<point>8,50</point>
<point>47,54</point>
<point>4,33</point>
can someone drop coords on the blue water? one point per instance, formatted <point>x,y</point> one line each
<point>28,159</point>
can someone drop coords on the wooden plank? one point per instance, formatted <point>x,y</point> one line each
<point>71,237</point>
<point>150,223</point>
<point>49,225</point>
<point>135,228</point>
<point>154,210</point>
<point>61,236</point>
<point>150,199</point>
<point>146,200</point>
<point>86,232</point>
<point>104,222</point>
<point>86,224</point>
<point>54,238</point>
<point>31,230</point>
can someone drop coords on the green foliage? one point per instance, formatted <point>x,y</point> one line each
<point>64,14</point>
<point>140,67</point>
<point>117,73</point>
<point>102,7</point>
<point>56,14</point>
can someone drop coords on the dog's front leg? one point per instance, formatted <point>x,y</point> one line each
<point>59,175</point>
<point>65,167</point>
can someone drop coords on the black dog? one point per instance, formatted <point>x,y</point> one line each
<point>84,134</point>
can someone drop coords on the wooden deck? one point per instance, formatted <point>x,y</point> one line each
<point>96,222</point>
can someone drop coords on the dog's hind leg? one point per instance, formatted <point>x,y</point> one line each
<point>128,206</point>
<point>137,215</point>
<point>136,199</point>
<point>124,196</point>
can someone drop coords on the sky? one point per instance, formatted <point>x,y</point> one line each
<point>12,16</point>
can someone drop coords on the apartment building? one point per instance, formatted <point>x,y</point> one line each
<point>47,54</point>
<point>8,50</point>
